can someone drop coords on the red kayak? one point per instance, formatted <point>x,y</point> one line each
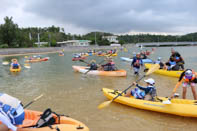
<point>78,58</point>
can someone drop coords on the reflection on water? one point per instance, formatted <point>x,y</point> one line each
<point>78,95</point>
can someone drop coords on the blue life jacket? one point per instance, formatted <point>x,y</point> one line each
<point>138,94</point>
<point>15,66</point>
<point>8,107</point>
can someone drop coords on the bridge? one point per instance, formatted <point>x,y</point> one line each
<point>167,44</point>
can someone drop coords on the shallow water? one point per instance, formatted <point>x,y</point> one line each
<point>78,95</point>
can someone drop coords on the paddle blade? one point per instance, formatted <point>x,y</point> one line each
<point>167,102</point>
<point>153,69</point>
<point>104,104</point>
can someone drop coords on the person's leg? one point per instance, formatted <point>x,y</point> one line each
<point>193,91</point>
<point>184,90</point>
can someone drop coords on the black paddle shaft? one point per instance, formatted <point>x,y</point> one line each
<point>128,88</point>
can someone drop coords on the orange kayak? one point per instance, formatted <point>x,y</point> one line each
<point>85,70</point>
<point>37,60</point>
<point>64,124</point>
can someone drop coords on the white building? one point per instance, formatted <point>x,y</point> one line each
<point>74,43</point>
<point>41,43</point>
<point>112,39</point>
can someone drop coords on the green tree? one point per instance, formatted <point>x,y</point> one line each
<point>8,32</point>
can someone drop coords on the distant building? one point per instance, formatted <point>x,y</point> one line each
<point>74,43</point>
<point>112,39</point>
<point>117,45</point>
<point>41,43</point>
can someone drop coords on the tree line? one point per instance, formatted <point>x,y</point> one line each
<point>11,36</point>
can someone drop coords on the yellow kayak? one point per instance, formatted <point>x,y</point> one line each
<point>63,124</point>
<point>165,72</point>
<point>112,54</point>
<point>180,107</point>
<point>15,70</point>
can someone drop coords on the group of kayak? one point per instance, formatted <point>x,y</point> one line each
<point>147,98</point>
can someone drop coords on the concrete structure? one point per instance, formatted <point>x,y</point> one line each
<point>74,43</point>
<point>166,44</point>
<point>112,39</point>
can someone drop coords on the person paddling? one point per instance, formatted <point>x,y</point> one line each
<point>136,63</point>
<point>93,65</point>
<point>15,64</point>
<point>109,66</point>
<point>148,93</point>
<point>178,59</point>
<point>188,79</point>
<point>11,112</point>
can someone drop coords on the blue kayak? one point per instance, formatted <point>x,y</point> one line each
<point>130,60</point>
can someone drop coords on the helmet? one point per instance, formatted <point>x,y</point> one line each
<point>150,81</point>
<point>188,74</point>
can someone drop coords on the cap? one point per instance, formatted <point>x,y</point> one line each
<point>188,73</point>
<point>150,81</point>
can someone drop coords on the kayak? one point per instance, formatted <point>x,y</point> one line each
<point>130,60</point>
<point>83,69</point>
<point>37,60</point>
<point>78,58</point>
<point>61,54</point>
<point>5,63</point>
<point>112,54</point>
<point>15,70</point>
<point>63,124</point>
<point>180,107</point>
<point>165,72</point>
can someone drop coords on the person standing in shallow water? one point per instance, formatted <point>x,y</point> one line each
<point>136,63</point>
<point>188,79</point>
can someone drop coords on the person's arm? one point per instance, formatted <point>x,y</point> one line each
<point>142,88</point>
<point>7,122</point>
<point>176,87</point>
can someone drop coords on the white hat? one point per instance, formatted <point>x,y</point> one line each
<point>188,72</point>
<point>150,81</point>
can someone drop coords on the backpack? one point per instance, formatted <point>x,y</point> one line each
<point>46,119</point>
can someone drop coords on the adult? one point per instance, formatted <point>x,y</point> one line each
<point>188,79</point>
<point>109,66</point>
<point>177,58</point>
<point>11,112</point>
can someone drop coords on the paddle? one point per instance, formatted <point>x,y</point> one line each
<point>151,70</point>
<point>33,101</point>
<point>84,61</point>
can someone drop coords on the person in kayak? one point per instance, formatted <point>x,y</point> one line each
<point>148,93</point>
<point>109,66</point>
<point>93,65</point>
<point>178,59</point>
<point>136,63</point>
<point>11,112</point>
<point>171,65</point>
<point>188,79</point>
<point>15,64</point>
<point>158,61</point>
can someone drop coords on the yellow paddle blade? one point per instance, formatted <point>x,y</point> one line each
<point>153,69</point>
<point>104,104</point>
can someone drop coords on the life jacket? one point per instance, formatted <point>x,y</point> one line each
<point>8,106</point>
<point>152,92</point>
<point>137,62</point>
<point>138,94</point>
<point>93,66</point>
<point>15,65</point>
<point>190,80</point>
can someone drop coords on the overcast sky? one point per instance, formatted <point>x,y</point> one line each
<point>116,16</point>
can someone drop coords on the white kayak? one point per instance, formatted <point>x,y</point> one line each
<point>130,60</point>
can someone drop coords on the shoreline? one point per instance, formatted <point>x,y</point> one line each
<point>47,50</point>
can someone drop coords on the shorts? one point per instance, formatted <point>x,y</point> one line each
<point>136,69</point>
<point>185,84</point>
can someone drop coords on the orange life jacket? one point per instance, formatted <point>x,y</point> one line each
<point>190,80</point>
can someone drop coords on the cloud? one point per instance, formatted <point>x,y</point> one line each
<point>117,16</point>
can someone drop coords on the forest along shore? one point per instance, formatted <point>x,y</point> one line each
<point>46,50</point>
